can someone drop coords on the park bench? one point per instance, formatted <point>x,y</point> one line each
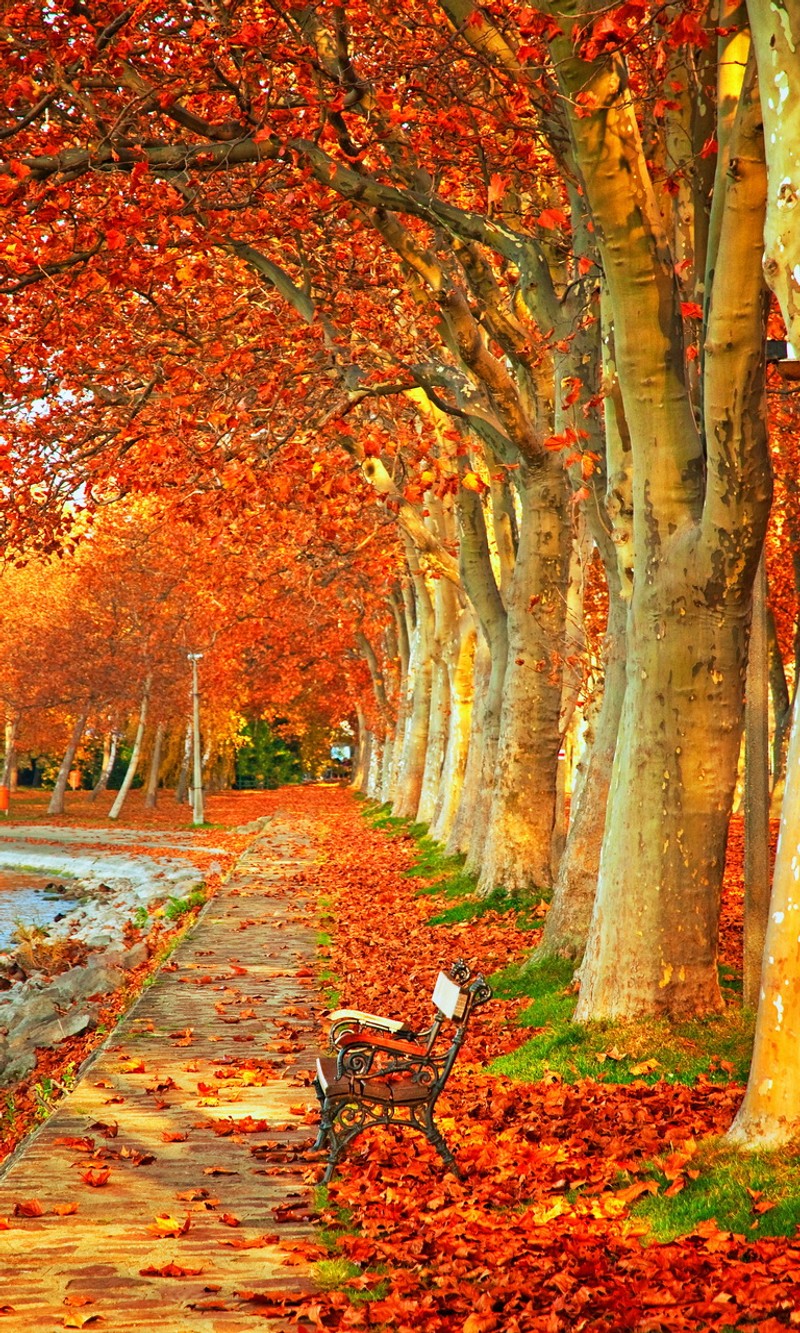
<point>382,1072</point>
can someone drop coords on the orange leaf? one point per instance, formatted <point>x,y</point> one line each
<point>28,1208</point>
<point>170,1226</point>
<point>64,1209</point>
<point>169,1270</point>
<point>96,1178</point>
<point>638,1187</point>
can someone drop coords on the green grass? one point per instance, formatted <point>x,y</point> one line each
<point>380,816</point>
<point>730,1189</point>
<point>432,860</point>
<point>499,900</point>
<point>338,1273</point>
<point>716,1049</point>
<point>342,1275</point>
<point>447,878</point>
<point>178,907</point>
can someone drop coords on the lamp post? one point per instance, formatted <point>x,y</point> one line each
<point>197,776</point>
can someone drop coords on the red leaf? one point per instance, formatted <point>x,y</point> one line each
<point>28,1208</point>
<point>169,1270</point>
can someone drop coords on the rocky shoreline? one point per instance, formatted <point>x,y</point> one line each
<point>107,934</point>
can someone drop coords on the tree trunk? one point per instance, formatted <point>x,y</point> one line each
<point>130,774</point>
<point>182,785</point>
<point>438,734</point>
<point>458,741</point>
<point>386,769</point>
<point>478,831</point>
<point>109,755</point>
<point>518,846</point>
<point>781,712</point>
<point>697,533</point>
<point>472,820</point>
<point>375,772</point>
<point>9,762</point>
<point>412,764</point>
<point>151,792</point>
<point>653,940</point>
<point>361,764</point>
<point>459,839</point>
<point>567,924</point>
<point>756,796</point>
<point>404,612</point>
<point>770,1113</point>
<point>444,649</point>
<point>776,37</point>
<point>574,655</point>
<point>56,806</point>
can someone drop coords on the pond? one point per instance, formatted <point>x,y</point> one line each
<point>29,899</point>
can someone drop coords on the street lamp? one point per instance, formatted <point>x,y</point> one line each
<point>197,776</point>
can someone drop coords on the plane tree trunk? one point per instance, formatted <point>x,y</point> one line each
<point>133,762</point>
<point>518,846</point>
<point>696,543</point>
<point>769,1116</point>
<point>56,805</point>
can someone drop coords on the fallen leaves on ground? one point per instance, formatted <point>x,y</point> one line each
<point>537,1237</point>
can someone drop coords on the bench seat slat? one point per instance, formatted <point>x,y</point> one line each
<point>399,1090</point>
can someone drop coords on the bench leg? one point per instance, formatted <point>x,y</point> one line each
<point>324,1119</point>
<point>337,1139</point>
<point>435,1137</point>
<point>337,1136</point>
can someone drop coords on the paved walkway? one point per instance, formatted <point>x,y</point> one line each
<point>196,1112</point>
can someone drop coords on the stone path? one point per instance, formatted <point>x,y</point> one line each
<point>168,1121</point>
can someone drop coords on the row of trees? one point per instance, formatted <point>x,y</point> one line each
<point>94,645</point>
<point>499,269</point>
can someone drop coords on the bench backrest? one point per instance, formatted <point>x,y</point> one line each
<point>449,998</point>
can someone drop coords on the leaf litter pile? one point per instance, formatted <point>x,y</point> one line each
<point>539,1233</point>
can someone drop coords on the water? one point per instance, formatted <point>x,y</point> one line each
<point>24,899</point>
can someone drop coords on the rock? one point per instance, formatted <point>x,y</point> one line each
<point>30,1035</point>
<point>135,956</point>
<point>28,1011</point>
<point>81,982</point>
<point>16,1067</point>
<point>98,939</point>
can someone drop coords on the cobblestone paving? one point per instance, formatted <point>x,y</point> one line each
<point>173,1108</point>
